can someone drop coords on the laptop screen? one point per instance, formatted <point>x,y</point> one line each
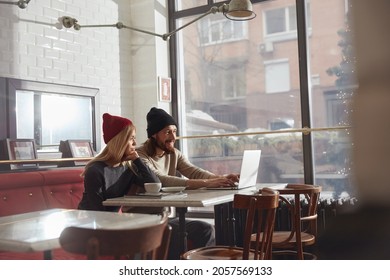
<point>249,168</point>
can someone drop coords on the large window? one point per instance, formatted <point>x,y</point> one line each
<point>49,113</point>
<point>263,91</point>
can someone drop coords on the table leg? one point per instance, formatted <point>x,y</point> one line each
<point>218,224</point>
<point>231,221</point>
<point>298,228</point>
<point>224,221</point>
<point>47,255</point>
<point>182,228</point>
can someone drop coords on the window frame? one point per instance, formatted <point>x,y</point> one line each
<point>10,86</point>
<point>301,33</point>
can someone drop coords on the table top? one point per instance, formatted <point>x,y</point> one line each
<point>194,198</point>
<point>40,231</point>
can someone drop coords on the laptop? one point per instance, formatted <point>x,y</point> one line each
<point>249,170</point>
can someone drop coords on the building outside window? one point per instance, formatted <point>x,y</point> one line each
<point>259,89</point>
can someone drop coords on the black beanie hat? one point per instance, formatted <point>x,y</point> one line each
<point>158,119</point>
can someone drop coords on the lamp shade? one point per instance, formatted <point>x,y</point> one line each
<point>239,10</point>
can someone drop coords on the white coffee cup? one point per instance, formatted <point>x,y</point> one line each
<point>152,187</point>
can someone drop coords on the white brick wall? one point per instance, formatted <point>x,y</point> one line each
<point>121,63</point>
<point>33,49</point>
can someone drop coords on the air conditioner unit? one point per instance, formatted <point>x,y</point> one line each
<point>266,47</point>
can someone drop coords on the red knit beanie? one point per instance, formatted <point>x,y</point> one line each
<point>112,125</point>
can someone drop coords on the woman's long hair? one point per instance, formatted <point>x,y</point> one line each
<point>115,148</point>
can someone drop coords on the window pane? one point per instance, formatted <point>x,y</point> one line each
<point>204,32</point>
<point>277,77</point>
<point>292,18</point>
<point>224,88</point>
<point>227,31</point>
<point>226,81</point>
<point>333,64</point>
<point>239,30</point>
<point>65,117</point>
<point>215,32</point>
<point>188,4</point>
<point>332,161</point>
<point>50,118</point>
<point>25,114</point>
<point>275,21</point>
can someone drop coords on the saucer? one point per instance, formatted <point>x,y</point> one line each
<point>173,189</point>
<point>152,194</point>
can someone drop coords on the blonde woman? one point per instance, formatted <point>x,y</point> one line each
<point>117,170</point>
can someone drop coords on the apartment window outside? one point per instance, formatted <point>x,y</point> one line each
<point>280,20</point>
<point>234,83</point>
<point>227,79</point>
<point>259,99</point>
<point>277,76</point>
<point>281,24</point>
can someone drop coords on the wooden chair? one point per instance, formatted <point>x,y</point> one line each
<point>303,220</point>
<point>261,210</point>
<point>149,242</point>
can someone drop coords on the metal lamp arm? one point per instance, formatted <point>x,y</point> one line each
<point>69,22</point>
<point>139,30</point>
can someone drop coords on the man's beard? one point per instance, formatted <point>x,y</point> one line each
<point>162,146</point>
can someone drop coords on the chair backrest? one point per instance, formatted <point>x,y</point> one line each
<point>308,196</point>
<point>260,219</point>
<point>303,211</point>
<point>149,242</point>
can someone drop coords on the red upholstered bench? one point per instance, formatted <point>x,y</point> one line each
<point>22,192</point>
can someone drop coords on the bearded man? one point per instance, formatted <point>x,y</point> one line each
<point>174,169</point>
<point>160,154</point>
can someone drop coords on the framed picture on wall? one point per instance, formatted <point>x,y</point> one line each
<point>164,85</point>
<point>76,149</point>
<point>80,148</point>
<point>19,149</point>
